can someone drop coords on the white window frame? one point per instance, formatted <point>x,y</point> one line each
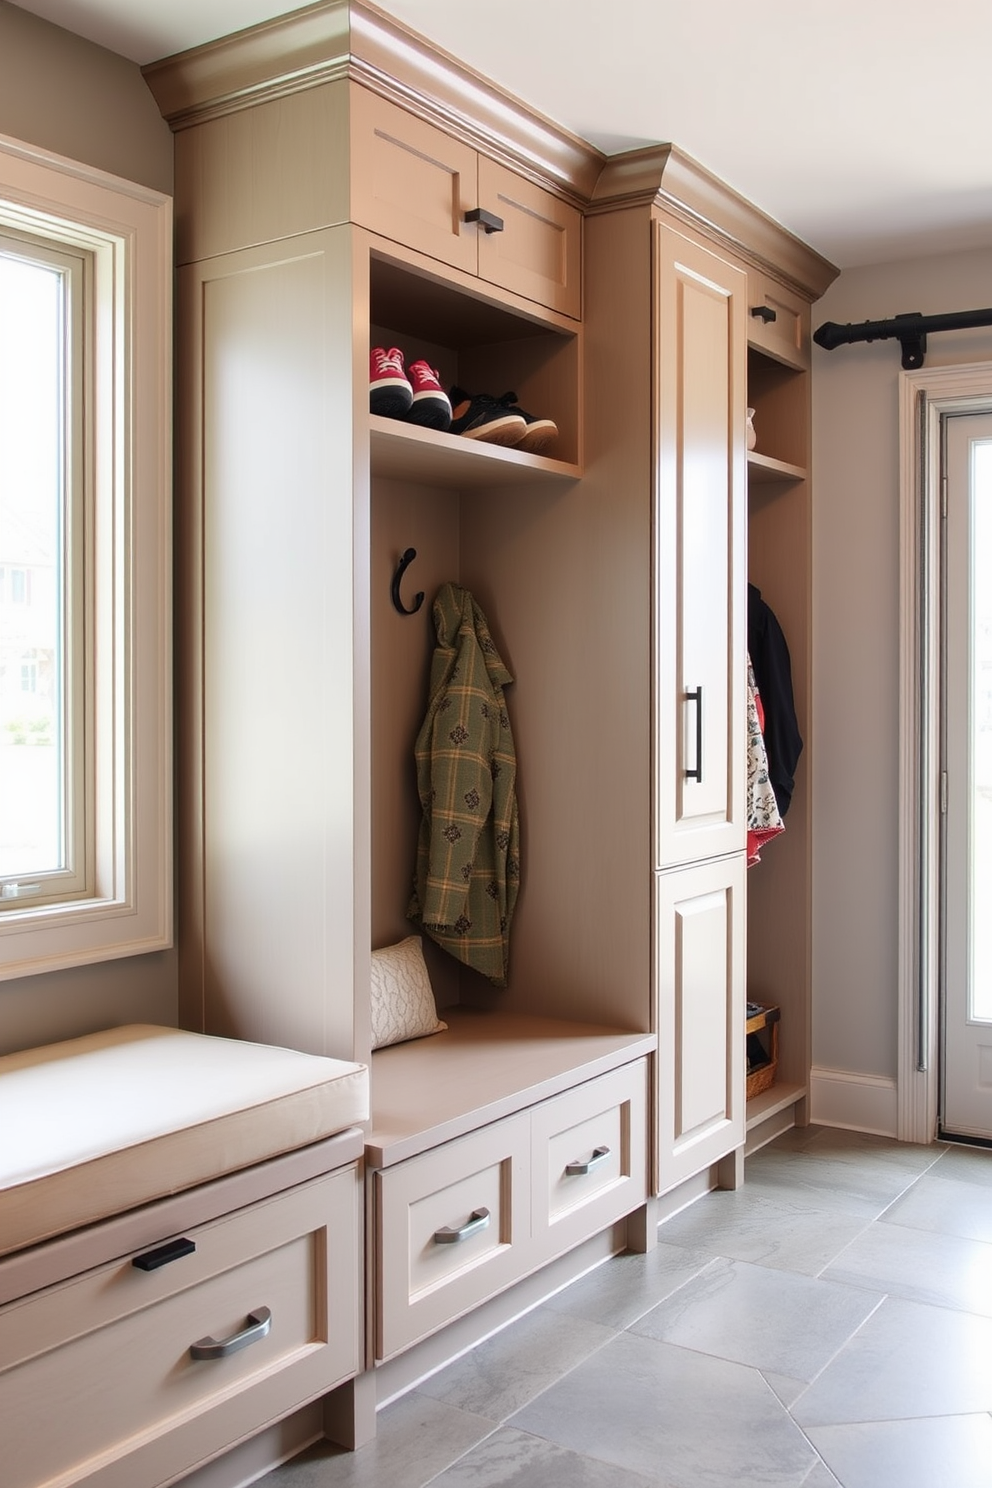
<point>924,398</point>
<point>126,231</point>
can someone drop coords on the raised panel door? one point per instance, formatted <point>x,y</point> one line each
<point>700,548</point>
<point>701,997</point>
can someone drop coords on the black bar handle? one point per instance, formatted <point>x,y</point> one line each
<point>488,221</point>
<point>765,313</point>
<point>696,696</point>
<point>163,1254</point>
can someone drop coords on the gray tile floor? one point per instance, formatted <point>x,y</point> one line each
<point>829,1323</point>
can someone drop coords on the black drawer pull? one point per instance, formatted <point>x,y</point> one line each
<point>765,313</point>
<point>488,221</point>
<point>163,1254</point>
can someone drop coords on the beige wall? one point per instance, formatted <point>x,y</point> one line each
<point>81,101</point>
<point>856,645</point>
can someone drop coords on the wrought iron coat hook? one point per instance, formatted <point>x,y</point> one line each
<point>401,569</point>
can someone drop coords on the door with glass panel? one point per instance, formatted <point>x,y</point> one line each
<point>966,725</point>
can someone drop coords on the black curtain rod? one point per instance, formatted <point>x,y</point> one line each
<point>909,330</point>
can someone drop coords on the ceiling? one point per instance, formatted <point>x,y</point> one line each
<point>863,126</point>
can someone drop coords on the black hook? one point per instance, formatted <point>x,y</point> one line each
<point>401,569</point>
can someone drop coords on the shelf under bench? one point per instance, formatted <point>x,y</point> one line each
<point>485,1066</point>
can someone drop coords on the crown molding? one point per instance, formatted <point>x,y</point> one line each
<point>664,176</point>
<point>347,39</point>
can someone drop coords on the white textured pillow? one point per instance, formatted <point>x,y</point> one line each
<point>402,996</point>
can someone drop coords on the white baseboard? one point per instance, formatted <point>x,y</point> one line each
<point>867,1103</point>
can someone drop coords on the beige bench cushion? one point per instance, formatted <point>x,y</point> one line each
<point>97,1125</point>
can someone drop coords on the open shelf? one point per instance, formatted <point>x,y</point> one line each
<point>403,451</point>
<point>778,1098</point>
<point>764,470</point>
<point>484,1066</point>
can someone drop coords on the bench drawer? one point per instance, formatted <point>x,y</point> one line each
<point>452,1229</point>
<point>590,1158</point>
<point>113,1352</point>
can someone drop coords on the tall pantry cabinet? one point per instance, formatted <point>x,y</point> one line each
<point>709,316</point>
<point>337,182</point>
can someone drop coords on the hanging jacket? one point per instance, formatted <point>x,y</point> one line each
<point>769,655</point>
<point>468,854</point>
<point>764,820</point>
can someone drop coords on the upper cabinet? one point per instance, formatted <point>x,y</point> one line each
<point>700,542</point>
<point>426,189</point>
<point>778,320</point>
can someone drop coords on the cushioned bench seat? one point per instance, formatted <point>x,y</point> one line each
<point>95,1126</point>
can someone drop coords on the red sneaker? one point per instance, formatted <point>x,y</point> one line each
<point>390,392</point>
<point>431,404</point>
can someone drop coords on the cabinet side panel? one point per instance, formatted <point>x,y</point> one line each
<point>263,173</point>
<point>271,499</point>
<point>404,516</point>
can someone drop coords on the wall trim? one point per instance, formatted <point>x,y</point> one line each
<point>867,1103</point>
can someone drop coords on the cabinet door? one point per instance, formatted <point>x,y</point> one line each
<point>777,320</point>
<point>412,183</point>
<point>701,997</point>
<point>700,552</point>
<point>537,253</point>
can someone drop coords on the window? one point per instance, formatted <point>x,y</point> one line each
<point>85,656</point>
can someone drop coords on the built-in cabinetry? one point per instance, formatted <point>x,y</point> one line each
<point>338,188</point>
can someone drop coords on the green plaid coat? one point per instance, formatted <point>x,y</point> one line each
<point>468,855</point>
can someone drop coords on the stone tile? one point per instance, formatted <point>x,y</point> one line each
<point>950,1206</point>
<point>860,1177</point>
<point>909,1360</point>
<point>627,1286</point>
<point>514,1459</point>
<point>787,1390</point>
<point>919,1265</point>
<point>820,1476</point>
<point>661,1411</point>
<point>416,1438</point>
<point>969,1164</point>
<point>774,1228</point>
<point>792,1325</point>
<point>504,1372</point>
<point>951,1450</point>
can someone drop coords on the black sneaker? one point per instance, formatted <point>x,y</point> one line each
<point>483,417</point>
<point>540,432</point>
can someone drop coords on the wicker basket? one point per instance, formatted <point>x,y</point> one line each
<point>763,1025</point>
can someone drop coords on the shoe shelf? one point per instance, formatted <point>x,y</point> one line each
<point>765,470</point>
<point>405,452</point>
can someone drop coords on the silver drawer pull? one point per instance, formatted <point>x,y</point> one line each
<point>477,1220</point>
<point>259,1323</point>
<point>576,1169</point>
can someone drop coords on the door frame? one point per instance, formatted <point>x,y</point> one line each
<point>924,398</point>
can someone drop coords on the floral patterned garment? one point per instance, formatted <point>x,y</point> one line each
<point>763,819</point>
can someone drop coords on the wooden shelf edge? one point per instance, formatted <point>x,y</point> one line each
<point>406,452</point>
<point>764,470</point>
<point>770,1102</point>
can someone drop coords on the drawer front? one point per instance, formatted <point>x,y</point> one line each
<point>111,1350</point>
<point>777,320</point>
<point>538,252</point>
<point>411,183</point>
<point>590,1158</point>
<point>451,1229</point>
